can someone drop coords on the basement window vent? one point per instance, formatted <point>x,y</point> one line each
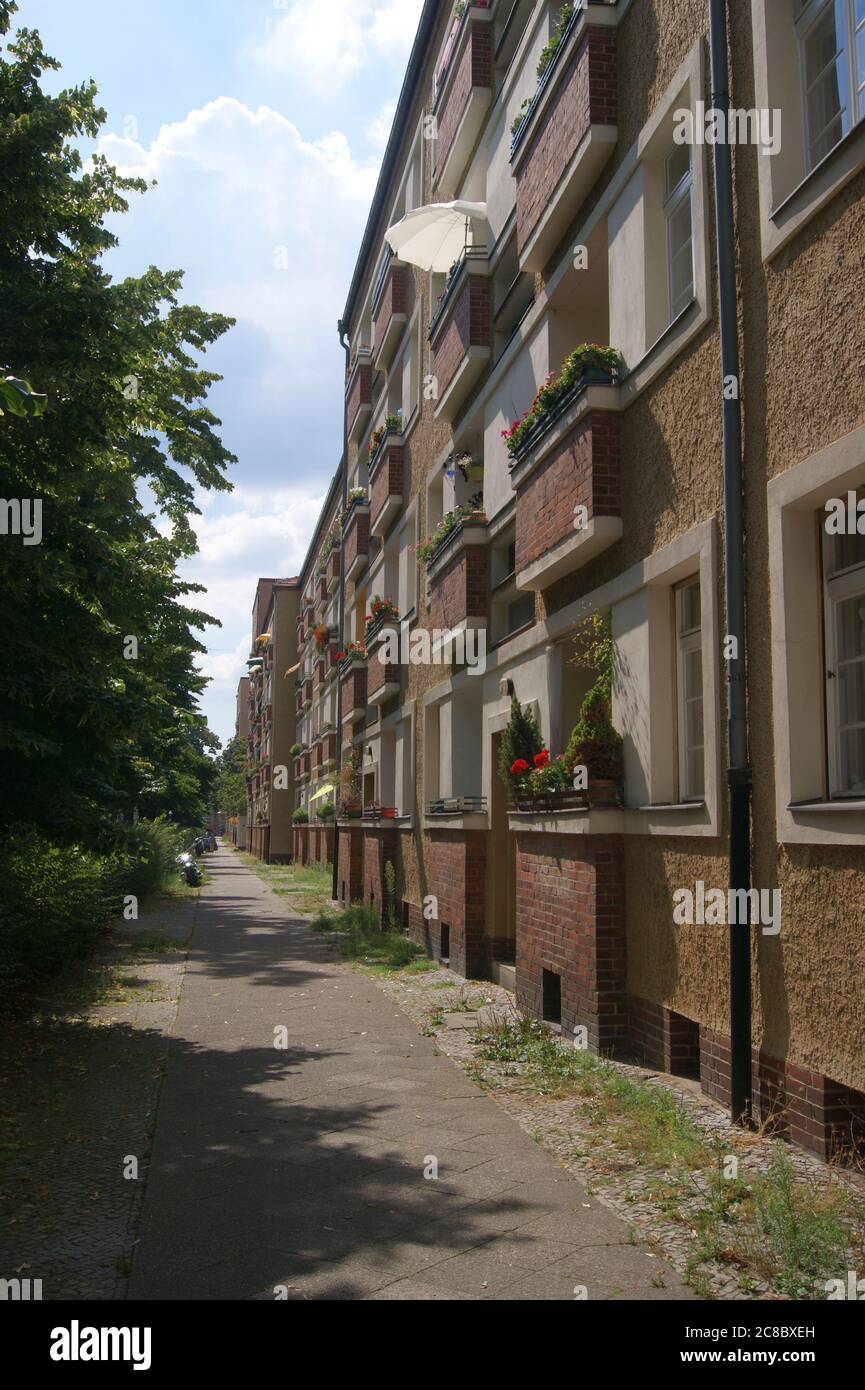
<point>551,989</point>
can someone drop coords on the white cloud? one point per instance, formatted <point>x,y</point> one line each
<point>326,47</point>
<point>268,223</point>
<point>257,532</point>
<point>378,128</point>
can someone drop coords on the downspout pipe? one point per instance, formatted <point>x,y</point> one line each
<point>738,767</point>
<point>346,347</point>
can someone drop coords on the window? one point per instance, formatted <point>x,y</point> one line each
<point>689,672</point>
<point>831,36</point>
<point>680,230</point>
<point>844,607</point>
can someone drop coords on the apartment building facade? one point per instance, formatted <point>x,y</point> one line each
<point>237,827</point>
<point>271,720</point>
<point>315,688</point>
<point>577,141</point>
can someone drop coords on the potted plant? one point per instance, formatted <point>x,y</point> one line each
<point>381,611</point>
<point>521,743</point>
<point>321,633</point>
<point>296,750</point>
<point>587,364</point>
<point>355,651</point>
<point>596,745</point>
<point>300,816</point>
<point>450,522</point>
<point>392,425</point>
<point>350,788</point>
<point>355,495</point>
<point>326,811</point>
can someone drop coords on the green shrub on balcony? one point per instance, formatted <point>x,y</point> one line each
<point>588,361</point>
<point>392,425</point>
<point>326,811</point>
<point>428,548</point>
<point>300,816</point>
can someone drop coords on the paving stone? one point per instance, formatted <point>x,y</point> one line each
<point>312,1162</point>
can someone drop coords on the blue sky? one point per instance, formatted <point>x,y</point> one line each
<point>264,124</point>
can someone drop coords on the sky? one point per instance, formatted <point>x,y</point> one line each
<point>263,123</point>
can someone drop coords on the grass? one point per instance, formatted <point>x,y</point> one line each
<point>776,1227</point>
<point>360,939</point>
<point>308,888</point>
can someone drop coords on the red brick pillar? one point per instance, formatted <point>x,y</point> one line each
<point>457,879</point>
<point>350,867</point>
<point>571,922</point>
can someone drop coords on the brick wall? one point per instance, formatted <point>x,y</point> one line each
<point>460,588</point>
<point>380,673</point>
<point>664,1039</point>
<point>393,300</point>
<point>387,479</point>
<point>474,69</point>
<point>353,694</point>
<point>360,392</point>
<point>300,844</point>
<point>466,322</point>
<point>570,920</point>
<point>586,95</point>
<point>379,849</point>
<point>356,536</point>
<point>582,470</point>
<point>457,878</point>
<point>350,866</point>
<point>320,844</point>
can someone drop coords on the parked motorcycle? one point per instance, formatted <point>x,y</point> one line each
<point>189,870</point>
<point>198,846</point>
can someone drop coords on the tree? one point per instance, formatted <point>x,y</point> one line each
<point>99,691</point>
<point>229,786</point>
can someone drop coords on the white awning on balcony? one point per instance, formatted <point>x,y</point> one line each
<point>434,236</point>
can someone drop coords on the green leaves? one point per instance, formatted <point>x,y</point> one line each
<point>17,397</point>
<point>89,733</point>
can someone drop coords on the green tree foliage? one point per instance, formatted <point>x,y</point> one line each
<point>89,731</point>
<point>229,787</point>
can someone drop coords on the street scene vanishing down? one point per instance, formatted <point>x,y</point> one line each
<point>432,548</point>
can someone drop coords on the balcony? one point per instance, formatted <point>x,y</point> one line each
<point>358,392</point>
<point>328,749</point>
<point>307,691</point>
<point>567,134</point>
<point>355,540</point>
<point>331,571</point>
<point>353,702</point>
<point>461,333</point>
<point>458,578</point>
<point>569,463</point>
<point>385,483</point>
<point>464,92</point>
<point>390,313</point>
<point>383,679</point>
<point>322,593</point>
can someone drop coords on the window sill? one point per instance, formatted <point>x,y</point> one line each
<point>850,805</point>
<point>681,806</point>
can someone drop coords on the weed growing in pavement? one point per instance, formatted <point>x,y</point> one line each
<point>361,939</point>
<point>775,1226</point>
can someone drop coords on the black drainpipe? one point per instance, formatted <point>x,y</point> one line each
<point>738,770</point>
<point>346,347</point>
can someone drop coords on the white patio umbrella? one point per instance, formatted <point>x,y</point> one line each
<point>433,237</point>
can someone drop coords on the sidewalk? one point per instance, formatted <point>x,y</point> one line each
<point>302,1169</point>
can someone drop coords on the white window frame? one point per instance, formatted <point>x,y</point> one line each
<point>673,201</point>
<point>838,587</point>
<point>691,640</point>
<point>808,16</point>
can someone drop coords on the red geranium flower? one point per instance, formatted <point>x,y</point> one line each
<point>541,759</point>
<point>519,767</point>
